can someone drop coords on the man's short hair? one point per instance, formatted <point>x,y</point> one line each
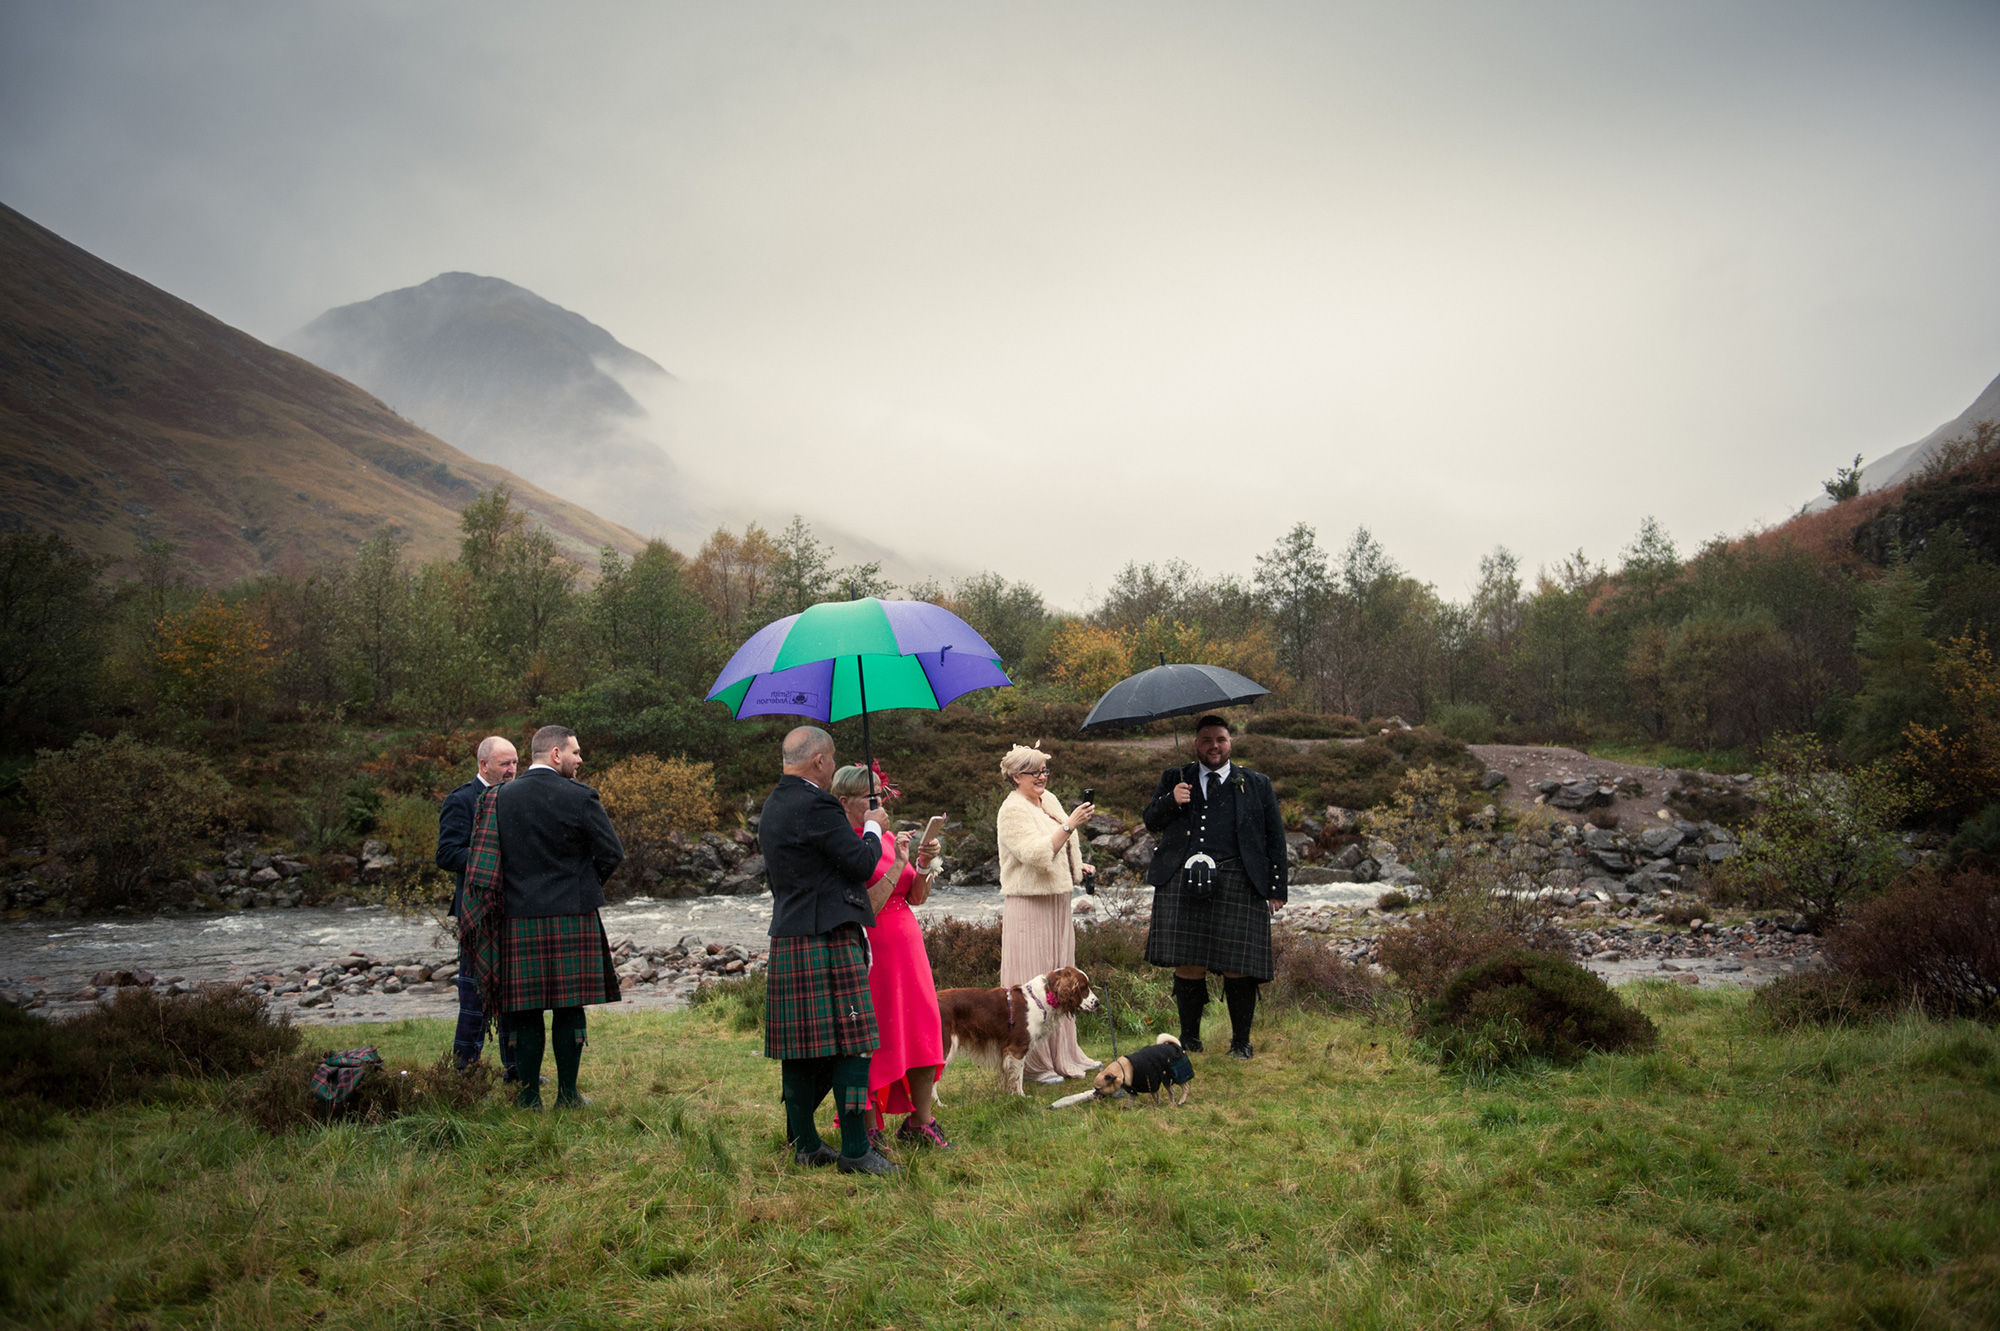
<point>804,744</point>
<point>1212,720</point>
<point>548,739</point>
<point>489,744</point>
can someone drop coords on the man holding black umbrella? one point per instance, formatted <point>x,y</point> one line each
<point>1218,876</point>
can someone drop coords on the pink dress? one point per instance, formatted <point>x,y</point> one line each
<point>904,994</point>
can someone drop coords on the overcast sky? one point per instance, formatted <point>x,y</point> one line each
<point>1081,283</point>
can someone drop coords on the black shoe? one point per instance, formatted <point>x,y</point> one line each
<point>873,1163</point>
<point>1191,1045</point>
<point>825,1155</point>
<point>1242,1050</point>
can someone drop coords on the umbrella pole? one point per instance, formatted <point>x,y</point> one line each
<point>867,744</point>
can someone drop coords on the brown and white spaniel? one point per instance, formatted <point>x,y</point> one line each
<point>999,1028</point>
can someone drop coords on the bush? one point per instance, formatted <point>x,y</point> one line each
<point>1394,899</point>
<point>1822,839</point>
<point>1471,722</point>
<point>1934,942</point>
<point>1426,953</point>
<point>1303,725</point>
<point>650,799</point>
<point>1976,845</point>
<point>124,1049</point>
<point>1309,972</point>
<point>963,956</point>
<point>129,809</point>
<point>1527,1004</point>
<point>1822,998</point>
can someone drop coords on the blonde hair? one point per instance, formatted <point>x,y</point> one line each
<point>1019,759</point>
<point>848,782</point>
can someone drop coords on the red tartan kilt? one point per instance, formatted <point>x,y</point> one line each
<point>553,961</point>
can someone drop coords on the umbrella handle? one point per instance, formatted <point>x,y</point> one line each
<point>867,744</point>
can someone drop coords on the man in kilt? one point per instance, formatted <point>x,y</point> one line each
<point>1218,918</point>
<point>542,847</point>
<point>818,1017</point>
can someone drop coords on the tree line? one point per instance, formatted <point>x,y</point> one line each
<point>1716,651</point>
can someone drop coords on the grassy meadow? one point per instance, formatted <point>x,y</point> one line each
<point>1734,1177</point>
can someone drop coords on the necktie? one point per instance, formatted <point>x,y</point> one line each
<point>1214,784</point>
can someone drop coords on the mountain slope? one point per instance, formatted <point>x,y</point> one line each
<point>127,413</point>
<point>518,381</point>
<point>1903,464</point>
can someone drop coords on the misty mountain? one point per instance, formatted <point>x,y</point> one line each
<point>521,382</point>
<point>127,414</point>
<point>1899,466</point>
<point>517,381</point>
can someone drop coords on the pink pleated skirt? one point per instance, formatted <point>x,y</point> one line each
<point>1036,936</point>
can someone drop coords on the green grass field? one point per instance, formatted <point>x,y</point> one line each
<point>1733,1178</point>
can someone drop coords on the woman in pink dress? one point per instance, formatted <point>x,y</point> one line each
<point>904,1072</point>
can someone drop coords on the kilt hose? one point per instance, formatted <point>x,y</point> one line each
<point>1230,932</point>
<point>816,1001</point>
<point>555,961</point>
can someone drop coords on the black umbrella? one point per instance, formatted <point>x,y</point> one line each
<point>1170,690</point>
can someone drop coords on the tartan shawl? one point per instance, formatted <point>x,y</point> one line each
<point>482,915</point>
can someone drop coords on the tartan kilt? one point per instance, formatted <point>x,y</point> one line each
<point>816,1002</point>
<point>1229,932</point>
<point>550,961</point>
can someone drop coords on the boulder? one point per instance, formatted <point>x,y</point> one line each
<point>266,876</point>
<point>1348,856</point>
<point>1342,820</point>
<point>1658,841</point>
<point>1492,779</point>
<point>1140,856</point>
<point>1112,843</point>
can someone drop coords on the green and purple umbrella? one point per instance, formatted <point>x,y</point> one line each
<point>849,658</point>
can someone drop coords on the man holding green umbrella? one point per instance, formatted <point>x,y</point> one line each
<point>818,1017</point>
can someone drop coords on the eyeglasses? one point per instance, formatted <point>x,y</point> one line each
<point>1037,773</point>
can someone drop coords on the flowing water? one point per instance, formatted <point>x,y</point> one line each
<point>61,955</point>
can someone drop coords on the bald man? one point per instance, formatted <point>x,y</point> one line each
<point>497,761</point>
<point>819,1018</point>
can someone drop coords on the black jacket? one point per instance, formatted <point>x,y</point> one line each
<point>1260,830</point>
<point>819,868</point>
<point>556,846</point>
<point>455,833</point>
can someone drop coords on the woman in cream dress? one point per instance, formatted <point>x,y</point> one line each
<point>1040,864</point>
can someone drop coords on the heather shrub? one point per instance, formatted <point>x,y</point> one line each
<point>1394,899</point>
<point>1426,953</point>
<point>963,956</point>
<point>1310,973</point>
<point>1935,942</point>
<point>1303,725</point>
<point>126,1048</point>
<point>1822,998</point>
<point>1523,1004</point>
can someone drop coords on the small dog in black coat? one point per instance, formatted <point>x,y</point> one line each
<point>1162,1067</point>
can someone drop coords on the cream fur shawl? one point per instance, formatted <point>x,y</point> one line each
<point>1028,868</point>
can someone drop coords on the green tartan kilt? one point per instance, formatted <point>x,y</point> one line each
<point>552,961</point>
<point>816,1002</point>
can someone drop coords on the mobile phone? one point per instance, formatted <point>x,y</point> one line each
<point>1089,794</point>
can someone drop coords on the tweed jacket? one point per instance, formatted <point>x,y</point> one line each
<point>1260,830</point>
<point>819,869</point>
<point>557,845</point>
<point>1028,867</point>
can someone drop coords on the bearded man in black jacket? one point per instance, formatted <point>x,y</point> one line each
<point>557,848</point>
<point>1218,876</point>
